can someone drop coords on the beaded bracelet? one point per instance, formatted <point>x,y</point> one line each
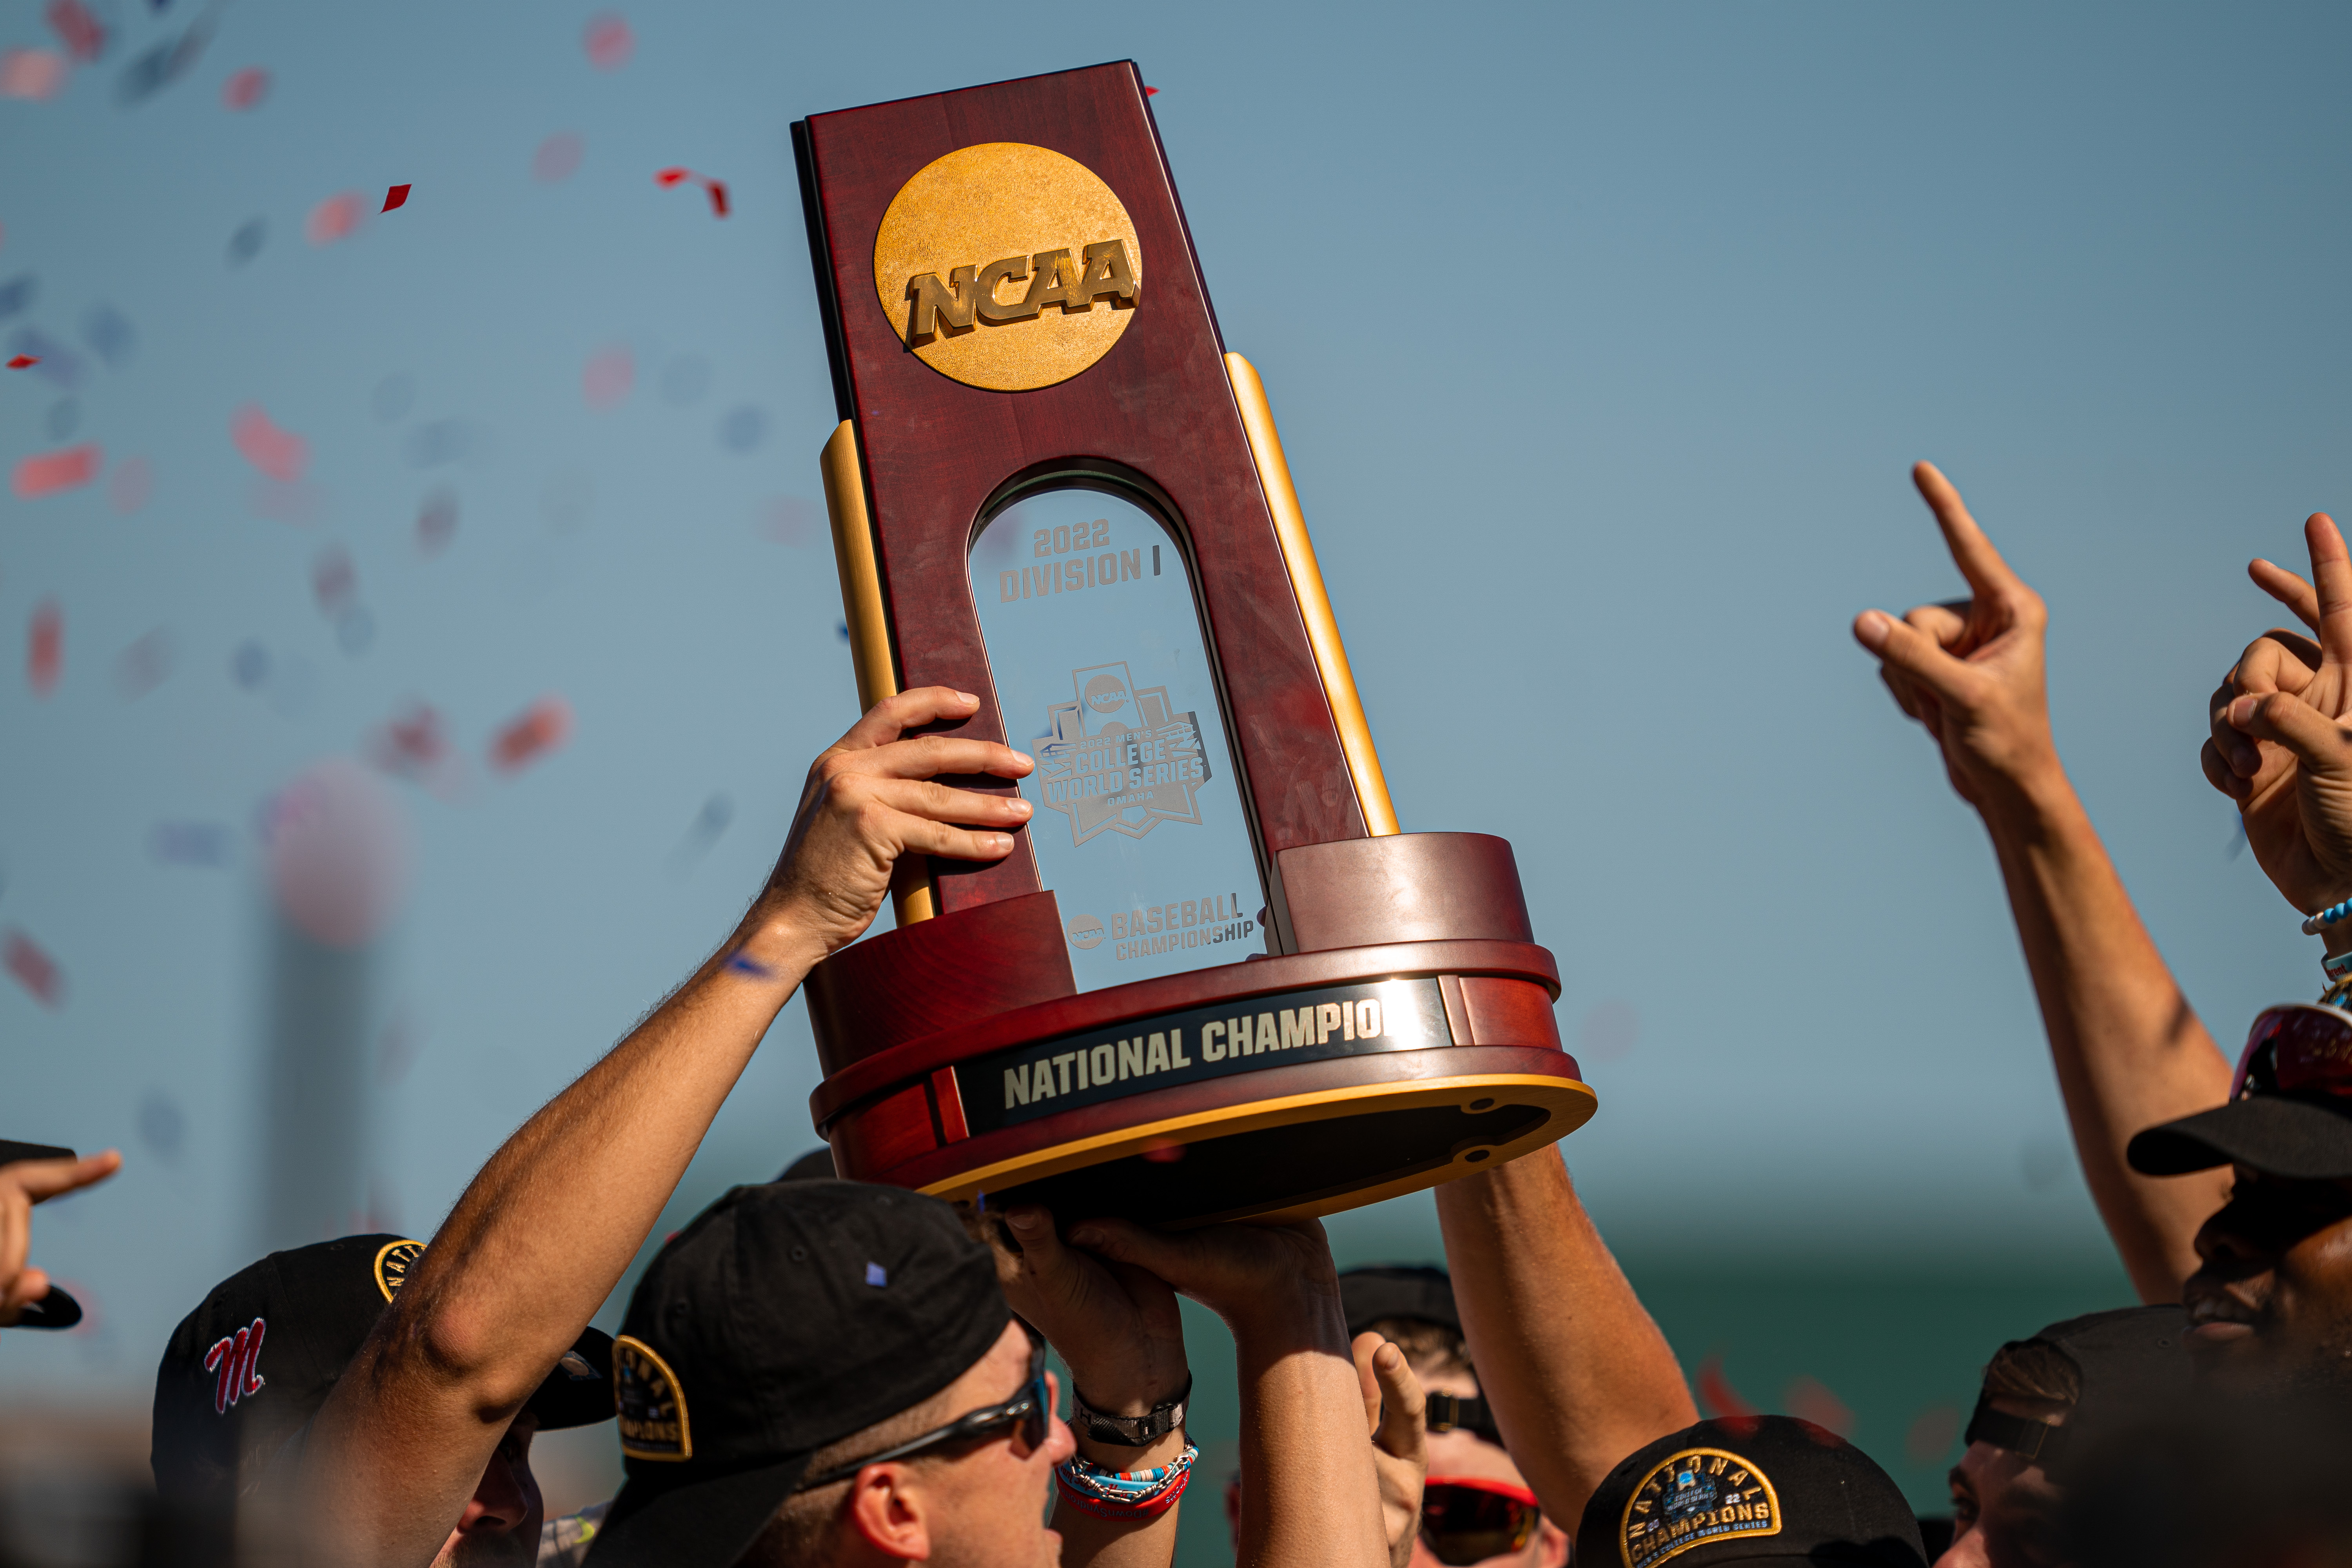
<point>2332,915</point>
<point>1125,1494</point>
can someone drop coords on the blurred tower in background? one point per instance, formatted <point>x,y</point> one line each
<point>338,859</point>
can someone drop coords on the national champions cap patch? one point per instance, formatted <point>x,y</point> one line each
<point>1693,1496</point>
<point>651,1406</point>
<point>394,1259</point>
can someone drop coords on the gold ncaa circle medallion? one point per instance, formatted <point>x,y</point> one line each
<point>1007,267</point>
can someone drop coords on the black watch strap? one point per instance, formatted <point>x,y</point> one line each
<point>1133,1431</point>
<point>1448,1411</point>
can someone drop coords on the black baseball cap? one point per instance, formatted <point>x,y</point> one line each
<point>2290,1108</point>
<point>58,1309</point>
<point>1368,1295</point>
<point>783,1319</point>
<point>255,1362</point>
<point>1748,1489</point>
<point>2129,1361</point>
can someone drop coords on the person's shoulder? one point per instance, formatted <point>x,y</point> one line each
<point>563,1542</point>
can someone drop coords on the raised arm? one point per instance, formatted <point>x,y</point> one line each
<point>2128,1049</point>
<point>1576,1372</point>
<point>542,1234</point>
<point>1309,1498</point>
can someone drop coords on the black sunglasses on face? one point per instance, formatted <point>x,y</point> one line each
<point>1465,1522</point>
<point>1032,1407</point>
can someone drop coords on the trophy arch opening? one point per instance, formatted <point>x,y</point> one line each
<point>1086,589</point>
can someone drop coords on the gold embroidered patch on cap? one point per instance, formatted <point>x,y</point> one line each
<point>1693,1496</point>
<point>394,1259</point>
<point>651,1406</point>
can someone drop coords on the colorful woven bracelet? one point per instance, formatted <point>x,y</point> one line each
<point>2338,966</point>
<point>2331,915</point>
<point>1125,1494</point>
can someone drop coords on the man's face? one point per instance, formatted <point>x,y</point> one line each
<point>500,1528</point>
<point>2004,1510</point>
<point>1463,1455</point>
<point>2271,1306</point>
<point>990,1502</point>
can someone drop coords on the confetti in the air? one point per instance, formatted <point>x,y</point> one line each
<point>415,744</point>
<point>397,197</point>
<point>132,482</point>
<point>436,522</point>
<point>36,971</point>
<point>333,582</point>
<point>110,334</point>
<point>609,42</point>
<point>24,361</point>
<point>1715,1394</point>
<point>245,88</point>
<point>161,1126</point>
<point>36,74</point>
<point>609,375</point>
<point>247,242</point>
<point>557,158</point>
<point>165,64</point>
<point>144,665</point>
<point>16,293</point>
<point>45,652</point>
<point>716,188</point>
<point>46,473</point>
<point>82,34</point>
<point>750,966</point>
<point>279,453</point>
<point>1150,92</point>
<point>875,1275</point>
<point>1809,1399</point>
<point>543,726</point>
<point>337,218</point>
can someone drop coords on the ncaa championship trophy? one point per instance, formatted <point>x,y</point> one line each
<point>1212,979</point>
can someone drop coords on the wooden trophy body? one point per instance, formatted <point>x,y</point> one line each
<point>1213,980</point>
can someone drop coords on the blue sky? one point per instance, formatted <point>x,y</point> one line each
<point>1635,319</point>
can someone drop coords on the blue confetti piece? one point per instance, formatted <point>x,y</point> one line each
<point>15,294</point>
<point>875,1275</point>
<point>752,967</point>
<point>247,242</point>
<point>743,428</point>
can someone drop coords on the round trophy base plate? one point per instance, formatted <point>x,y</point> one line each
<point>1297,1156</point>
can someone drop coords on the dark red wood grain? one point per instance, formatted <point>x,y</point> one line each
<point>940,972</point>
<point>885,1069</point>
<point>1157,403</point>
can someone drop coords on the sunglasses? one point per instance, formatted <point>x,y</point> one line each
<point>2301,1047</point>
<point>1469,1519</point>
<point>1031,1410</point>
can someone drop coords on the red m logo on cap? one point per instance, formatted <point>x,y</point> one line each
<point>237,1359</point>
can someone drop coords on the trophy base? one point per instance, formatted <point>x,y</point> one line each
<point>961,1061</point>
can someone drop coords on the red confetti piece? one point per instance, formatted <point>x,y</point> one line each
<point>397,197</point>
<point>245,88</point>
<point>1150,92</point>
<point>333,582</point>
<point>544,725</point>
<point>436,522</point>
<point>36,971</point>
<point>82,34</point>
<point>1931,1434</point>
<point>281,454</point>
<point>24,361</point>
<point>608,377</point>
<point>36,74</point>
<point>1809,1399</point>
<point>609,42</point>
<point>44,473</point>
<point>557,157</point>
<point>45,654</point>
<point>716,188</point>
<point>335,218</point>
<point>1716,1393</point>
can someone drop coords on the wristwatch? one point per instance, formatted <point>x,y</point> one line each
<point>1133,1431</point>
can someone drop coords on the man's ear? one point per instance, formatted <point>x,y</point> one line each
<point>889,1510</point>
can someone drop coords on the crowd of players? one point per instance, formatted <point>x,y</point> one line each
<point>819,1372</point>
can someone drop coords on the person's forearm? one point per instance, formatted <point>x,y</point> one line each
<point>1576,1372</point>
<point>532,1249</point>
<point>1310,1496</point>
<point>1088,1541</point>
<point>2128,1049</point>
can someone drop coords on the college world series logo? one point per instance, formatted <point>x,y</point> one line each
<point>1117,761</point>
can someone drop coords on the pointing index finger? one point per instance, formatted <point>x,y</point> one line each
<point>2331,574</point>
<point>1988,575</point>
